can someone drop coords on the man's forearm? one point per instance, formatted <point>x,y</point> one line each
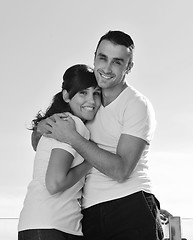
<point>118,166</point>
<point>106,162</point>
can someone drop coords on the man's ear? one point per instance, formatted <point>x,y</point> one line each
<point>94,58</point>
<point>65,96</point>
<point>130,65</point>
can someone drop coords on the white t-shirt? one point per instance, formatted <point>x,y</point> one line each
<point>62,210</point>
<point>130,113</point>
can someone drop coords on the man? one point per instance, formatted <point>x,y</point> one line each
<point>117,201</point>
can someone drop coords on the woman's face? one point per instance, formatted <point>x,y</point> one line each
<point>86,103</point>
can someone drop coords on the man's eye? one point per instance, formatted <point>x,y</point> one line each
<point>117,62</point>
<point>102,58</point>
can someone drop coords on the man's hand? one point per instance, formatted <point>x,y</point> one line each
<point>42,128</point>
<point>60,127</point>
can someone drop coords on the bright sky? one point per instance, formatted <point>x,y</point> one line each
<point>41,38</point>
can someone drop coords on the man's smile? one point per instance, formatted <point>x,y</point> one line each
<point>105,76</point>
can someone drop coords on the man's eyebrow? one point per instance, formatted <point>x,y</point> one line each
<point>102,55</point>
<point>118,59</point>
<point>115,59</point>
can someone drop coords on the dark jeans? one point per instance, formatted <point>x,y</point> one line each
<point>46,234</point>
<point>134,217</point>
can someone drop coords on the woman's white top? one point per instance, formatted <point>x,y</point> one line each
<point>61,211</point>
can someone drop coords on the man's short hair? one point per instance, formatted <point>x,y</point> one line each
<point>119,38</point>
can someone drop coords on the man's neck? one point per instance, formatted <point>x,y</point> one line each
<point>109,95</point>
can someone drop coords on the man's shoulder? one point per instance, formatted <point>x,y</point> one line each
<point>137,97</point>
<point>136,104</point>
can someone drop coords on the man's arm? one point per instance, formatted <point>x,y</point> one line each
<point>37,133</point>
<point>118,166</point>
<point>41,129</point>
<point>35,137</point>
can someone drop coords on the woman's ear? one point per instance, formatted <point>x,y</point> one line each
<point>65,96</point>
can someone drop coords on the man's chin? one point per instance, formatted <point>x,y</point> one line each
<point>103,84</point>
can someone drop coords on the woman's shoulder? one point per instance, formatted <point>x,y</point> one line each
<point>80,126</point>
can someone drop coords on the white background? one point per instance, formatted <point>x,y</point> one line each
<point>39,39</point>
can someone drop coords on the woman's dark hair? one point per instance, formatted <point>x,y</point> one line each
<point>75,79</point>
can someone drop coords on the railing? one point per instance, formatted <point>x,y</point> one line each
<point>178,229</point>
<point>183,229</point>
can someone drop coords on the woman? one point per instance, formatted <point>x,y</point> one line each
<point>52,207</point>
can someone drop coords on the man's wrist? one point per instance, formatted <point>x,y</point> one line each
<point>74,138</point>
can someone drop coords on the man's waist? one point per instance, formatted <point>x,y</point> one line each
<point>93,197</point>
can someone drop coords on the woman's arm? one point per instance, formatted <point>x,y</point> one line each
<point>60,176</point>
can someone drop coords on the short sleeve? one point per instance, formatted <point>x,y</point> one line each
<point>139,120</point>
<point>64,146</point>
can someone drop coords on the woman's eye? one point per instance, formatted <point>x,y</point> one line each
<point>97,93</point>
<point>83,92</point>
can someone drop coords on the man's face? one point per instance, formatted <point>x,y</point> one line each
<point>111,64</point>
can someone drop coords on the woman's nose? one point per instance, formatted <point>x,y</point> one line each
<point>90,98</point>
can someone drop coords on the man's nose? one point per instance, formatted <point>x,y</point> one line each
<point>107,67</point>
